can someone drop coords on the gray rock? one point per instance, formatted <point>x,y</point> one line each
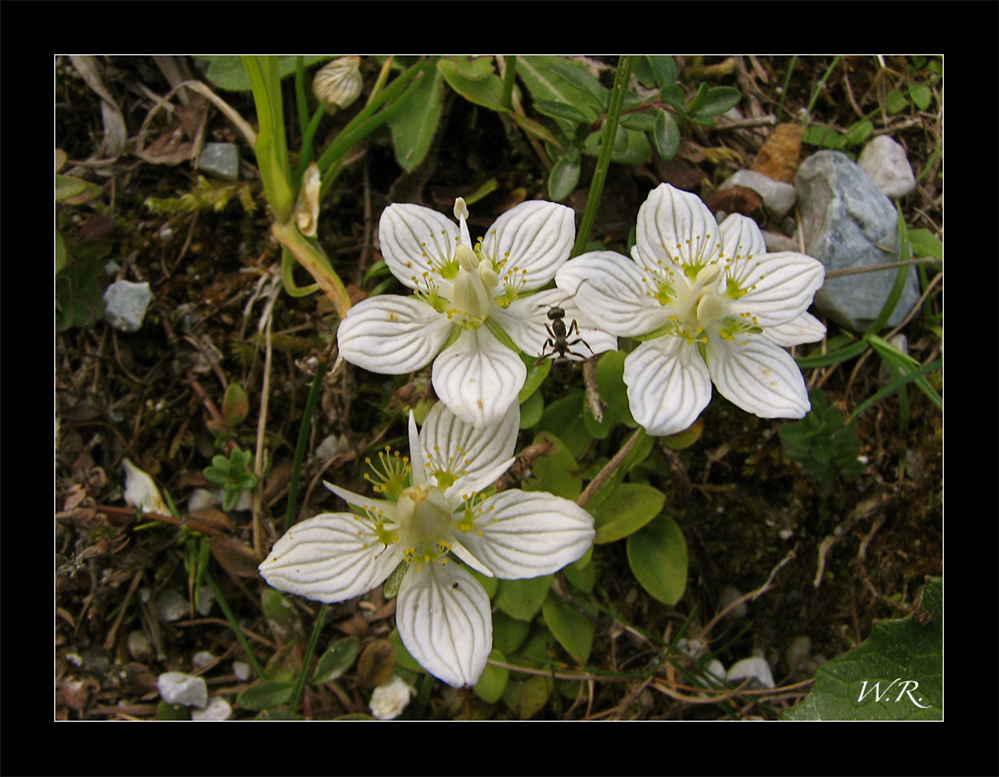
<point>848,223</point>
<point>885,162</point>
<point>756,668</point>
<point>125,304</point>
<point>184,689</point>
<point>778,198</point>
<point>220,160</point>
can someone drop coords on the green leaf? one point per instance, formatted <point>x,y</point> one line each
<point>475,81</point>
<point>558,110</point>
<point>579,77</point>
<point>664,70</point>
<point>337,660</point>
<point>521,599</point>
<point>565,415</point>
<point>666,136</point>
<point>235,405</point>
<point>531,410</point>
<point>857,134</point>
<point>508,633</point>
<point>925,244</point>
<point>821,136</point>
<point>544,84</point>
<point>717,100</point>
<point>921,96</point>
<point>657,554</point>
<point>402,656</point>
<point>557,472</point>
<point>610,384</point>
<point>895,674</point>
<point>492,683</point>
<point>265,694</point>
<point>629,508</point>
<point>895,101</point>
<point>414,124</point>
<point>564,178</point>
<point>228,72</point>
<point>573,630</point>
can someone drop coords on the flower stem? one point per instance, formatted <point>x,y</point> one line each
<point>307,658</point>
<point>235,625</point>
<point>618,92</point>
<point>303,438</point>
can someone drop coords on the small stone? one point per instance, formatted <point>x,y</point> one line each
<point>202,658</point>
<point>241,669</point>
<point>798,653</point>
<point>183,689</point>
<point>848,223</point>
<point>220,160</point>
<point>756,668</point>
<point>171,605</point>
<point>217,709</point>
<point>139,646</point>
<point>886,163</point>
<point>728,595</point>
<point>125,305</point>
<point>778,198</point>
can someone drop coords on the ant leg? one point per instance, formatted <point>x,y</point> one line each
<point>581,340</point>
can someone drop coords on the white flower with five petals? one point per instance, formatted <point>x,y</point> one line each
<point>711,307</point>
<point>433,511</point>
<point>472,305</point>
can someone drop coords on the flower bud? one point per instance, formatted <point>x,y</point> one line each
<point>307,207</point>
<point>339,83</point>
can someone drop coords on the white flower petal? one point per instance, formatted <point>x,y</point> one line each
<point>668,385</point>
<point>609,288</point>
<point>411,235</point>
<point>759,377</point>
<point>416,460</point>
<point>392,335</point>
<point>674,223</point>
<point>806,328</point>
<point>525,320</point>
<point>478,377</point>
<point>741,237</point>
<point>329,558</point>
<point>523,534</point>
<point>444,619</point>
<point>536,236</point>
<point>474,451</point>
<point>784,285</point>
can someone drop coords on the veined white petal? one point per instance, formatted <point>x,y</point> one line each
<point>410,236</point>
<point>523,534</point>
<point>741,237</point>
<point>329,558</point>
<point>444,620</point>
<point>668,385</point>
<point>535,236</point>
<point>610,289</point>
<point>675,224</point>
<point>806,328</point>
<point>416,460</point>
<point>524,321</point>
<point>760,377</point>
<point>478,377</point>
<point>472,451</point>
<point>392,335</point>
<point>784,285</point>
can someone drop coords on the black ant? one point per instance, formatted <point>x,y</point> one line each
<point>558,341</point>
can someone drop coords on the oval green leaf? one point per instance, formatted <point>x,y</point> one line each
<point>657,555</point>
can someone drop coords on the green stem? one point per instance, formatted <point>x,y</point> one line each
<point>307,659</point>
<point>303,438</point>
<point>618,92</point>
<point>820,87</point>
<point>235,624</point>
<point>508,78</point>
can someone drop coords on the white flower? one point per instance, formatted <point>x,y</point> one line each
<point>472,301</point>
<point>711,306</point>
<point>433,510</point>
<point>389,700</point>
